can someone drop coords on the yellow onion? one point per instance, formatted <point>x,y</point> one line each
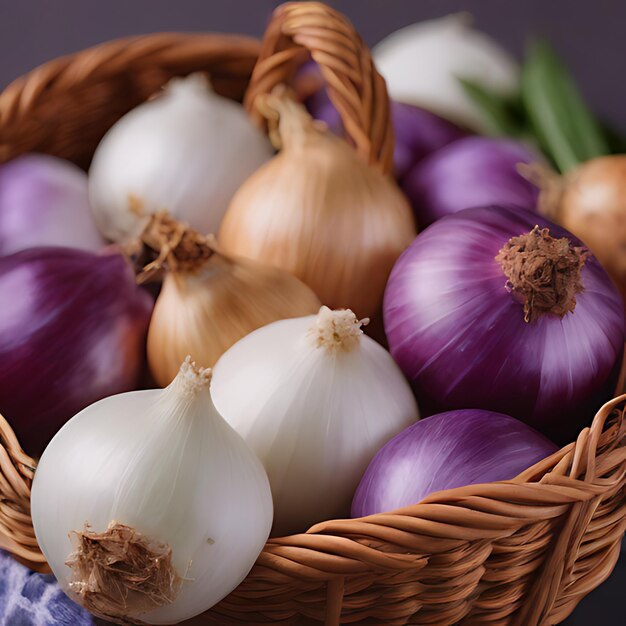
<point>319,212</point>
<point>210,299</point>
<point>590,202</point>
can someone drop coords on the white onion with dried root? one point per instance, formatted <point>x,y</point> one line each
<point>185,152</point>
<point>319,212</point>
<point>211,299</point>
<point>590,201</point>
<point>148,506</point>
<point>315,398</point>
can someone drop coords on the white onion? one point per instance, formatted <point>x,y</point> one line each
<point>315,399</point>
<point>423,62</point>
<point>185,152</point>
<point>166,464</point>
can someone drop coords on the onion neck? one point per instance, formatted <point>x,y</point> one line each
<point>196,85</point>
<point>542,272</point>
<point>337,331</point>
<point>188,391</point>
<point>190,379</point>
<point>178,247</point>
<point>289,123</point>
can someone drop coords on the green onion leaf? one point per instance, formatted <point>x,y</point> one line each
<point>561,120</point>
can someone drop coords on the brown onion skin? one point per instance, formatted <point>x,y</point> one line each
<point>205,312</point>
<point>321,214</point>
<point>593,207</point>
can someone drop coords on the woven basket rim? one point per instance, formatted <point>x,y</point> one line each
<point>131,40</point>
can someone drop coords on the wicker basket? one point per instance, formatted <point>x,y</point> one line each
<point>521,552</point>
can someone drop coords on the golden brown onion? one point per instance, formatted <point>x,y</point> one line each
<point>593,207</point>
<point>210,300</point>
<point>319,212</point>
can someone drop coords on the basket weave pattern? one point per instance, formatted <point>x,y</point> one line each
<point>521,552</point>
<point>355,87</point>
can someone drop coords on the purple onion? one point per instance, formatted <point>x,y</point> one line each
<point>474,171</point>
<point>461,337</point>
<point>445,451</point>
<point>44,202</point>
<point>418,132</point>
<point>72,331</point>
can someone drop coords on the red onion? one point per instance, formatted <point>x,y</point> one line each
<point>474,171</point>
<point>444,451</point>
<point>72,331</point>
<point>456,325</point>
<point>44,202</point>
<point>418,132</point>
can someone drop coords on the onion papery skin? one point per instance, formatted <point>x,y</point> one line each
<point>471,172</point>
<point>44,202</point>
<point>319,212</point>
<point>205,312</point>
<point>593,207</point>
<point>461,338</point>
<point>72,330</point>
<point>445,451</point>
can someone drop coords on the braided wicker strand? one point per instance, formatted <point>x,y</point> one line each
<point>358,91</point>
<point>65,106</point>
<point>16,529</point>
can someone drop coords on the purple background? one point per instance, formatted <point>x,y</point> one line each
<point>590,36</point>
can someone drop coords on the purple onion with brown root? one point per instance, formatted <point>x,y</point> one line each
<point>498,308</point>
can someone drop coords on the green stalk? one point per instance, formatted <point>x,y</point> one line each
<point>560,118</point>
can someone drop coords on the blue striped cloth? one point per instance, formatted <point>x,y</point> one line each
<point>30,599</point>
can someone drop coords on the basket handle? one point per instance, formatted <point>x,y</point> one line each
<point>299,30</point>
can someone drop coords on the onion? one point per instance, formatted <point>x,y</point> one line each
<point>422,64</point>
<point>457,324</point>
<point>592,204</point>
<point>185,152</point>
<point>72,331</point>
<point>444,451</point>
<point>148,506</point>
<point>44,202</point>
<point>319,212</point>
<point>315,399</point>
<point>417,132</point>
<point>474,171</point>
